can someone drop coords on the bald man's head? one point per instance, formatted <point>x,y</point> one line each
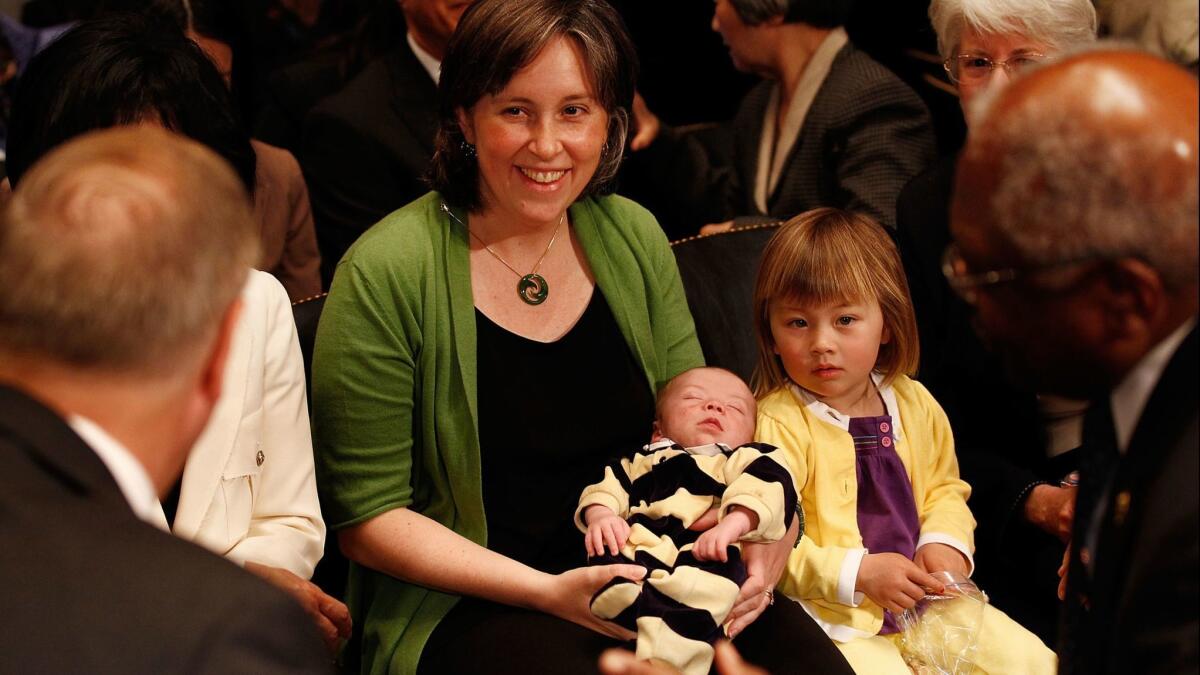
<point>1075,215</point>
<point>1093,156</point>
<point>121,250</point>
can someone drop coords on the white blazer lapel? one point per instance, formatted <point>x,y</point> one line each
<point>206,464</point>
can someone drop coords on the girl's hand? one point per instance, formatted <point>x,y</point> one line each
<point>714,543</point>
<point>605,529</point>
<point>893,581</point>
<point>941,558</point>
<point>764,567</point>
<point>569,595</point>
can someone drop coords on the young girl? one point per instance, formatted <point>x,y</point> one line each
<point>871,451</point>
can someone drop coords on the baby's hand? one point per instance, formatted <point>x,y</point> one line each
<point>714,543</point>
<point>705,521</point>
<point>941,558</point>
<point>604,527</point>
<point>893,581</point>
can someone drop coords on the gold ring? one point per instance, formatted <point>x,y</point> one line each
<point>770,597</point>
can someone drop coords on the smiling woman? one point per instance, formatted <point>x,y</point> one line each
<point>487,349</point>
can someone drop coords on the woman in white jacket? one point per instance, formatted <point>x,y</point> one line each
<point>248,490</point>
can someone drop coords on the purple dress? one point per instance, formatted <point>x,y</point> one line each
<point>887,511</point>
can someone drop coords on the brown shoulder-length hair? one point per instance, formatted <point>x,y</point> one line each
<point>494,40</point>
<point>829,255</point>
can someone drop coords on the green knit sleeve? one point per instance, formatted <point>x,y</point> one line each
<point>364,369</point>
<point>670,319</point>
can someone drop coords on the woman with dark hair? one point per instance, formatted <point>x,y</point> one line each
<point>281,202</point>
<point>469,334</point>
<point>828,126</point>
<point>123,70</point>
<point>248,491</point>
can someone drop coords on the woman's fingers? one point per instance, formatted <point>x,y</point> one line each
<point>750,610</point>
<point>751,602</point>
<point>607,572</point>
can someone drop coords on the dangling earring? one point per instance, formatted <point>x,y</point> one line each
<point>467,148</point>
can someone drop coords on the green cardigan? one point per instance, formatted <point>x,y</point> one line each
<point>394,386</point>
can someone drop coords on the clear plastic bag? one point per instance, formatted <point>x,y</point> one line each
<point>939,636</point>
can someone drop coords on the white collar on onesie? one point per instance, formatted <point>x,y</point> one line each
<point>709,450</point>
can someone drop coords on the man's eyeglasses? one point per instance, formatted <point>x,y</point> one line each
<point>967,284</point>
<point>971,68</point>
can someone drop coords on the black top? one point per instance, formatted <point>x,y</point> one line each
<point>551,415</point>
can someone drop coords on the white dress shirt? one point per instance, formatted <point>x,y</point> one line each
<point>428,61</point>
<point>126,470</point>
<point>1130,397</point>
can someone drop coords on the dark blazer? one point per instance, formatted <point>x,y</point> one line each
<point>1143,593</point>
<point>997,427</point>
<point>865,135</point>
<point>90,588</point>
<point>366,148</point>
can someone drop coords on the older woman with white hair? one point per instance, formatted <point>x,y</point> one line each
<point>987,42</point>
<point>1014,446</point>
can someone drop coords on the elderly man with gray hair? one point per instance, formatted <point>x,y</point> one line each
<point>122,254</point>
<point>1075,225</point>
<point>1024,514</point>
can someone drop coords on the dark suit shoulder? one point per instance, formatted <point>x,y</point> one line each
<point>91,588</point>
<point>391,79</point>
<point>856,84</point>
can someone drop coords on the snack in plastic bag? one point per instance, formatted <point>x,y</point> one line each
<point>940,634</point>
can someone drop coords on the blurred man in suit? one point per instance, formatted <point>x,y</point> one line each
<point>366,148</point>
<point>121,257</point>
<point>1075,239</point>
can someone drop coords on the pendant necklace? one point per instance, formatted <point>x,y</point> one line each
<point>531,288</point>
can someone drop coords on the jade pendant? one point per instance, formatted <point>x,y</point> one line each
<point>533,289</point>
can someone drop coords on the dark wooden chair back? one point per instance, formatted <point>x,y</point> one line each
<point>718,274</point>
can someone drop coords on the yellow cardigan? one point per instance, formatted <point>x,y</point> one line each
<point>823,568</point>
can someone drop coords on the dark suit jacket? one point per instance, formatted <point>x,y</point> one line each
<point>1144,589</point>
<point>366,148</point>
<point>865,135</point>
<point>997,427</point>
<point>90,588</point>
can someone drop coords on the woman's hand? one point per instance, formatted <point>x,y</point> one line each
<point>942,558</point>
<point>569,596</point>
<point>893,581</point>
<point>1062,573</point>
<point>645,123</point>
<point>330,616</point>
<point>717,228</point>
<point>764,567</point>
<point>1052,509</point>
<point>604,528</point>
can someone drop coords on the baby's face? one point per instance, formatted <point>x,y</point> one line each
<point>707,405</point>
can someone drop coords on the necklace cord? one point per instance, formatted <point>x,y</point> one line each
<point>495,255</point>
